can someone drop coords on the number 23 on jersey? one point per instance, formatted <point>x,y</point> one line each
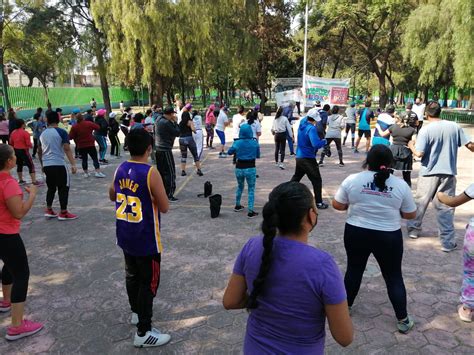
<point>135,215</point>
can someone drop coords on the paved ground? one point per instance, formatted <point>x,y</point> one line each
<point>77,278</point>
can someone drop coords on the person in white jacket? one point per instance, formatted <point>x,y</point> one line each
<point>279,130</point>
<point>333,134</point>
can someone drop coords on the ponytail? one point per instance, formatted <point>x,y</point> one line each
<point>381,177</point>
<point>379,159</point>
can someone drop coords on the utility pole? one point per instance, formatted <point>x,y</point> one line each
<point>305,53</point>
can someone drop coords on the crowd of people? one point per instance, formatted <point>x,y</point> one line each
<point>289,287</point>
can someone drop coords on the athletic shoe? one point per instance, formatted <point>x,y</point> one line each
<point>66,216</point>
<point>38,183</point>
<point>21,182</point>
<point>464,314</point>
<point>26,328</point>
<point>321,163</point>
<point>134,320</point>
<point>404,326</point>
<point>322,206</point>
<point>86,175</point>
<point>222,155</point>
<point>103,162</point>
<point>199,172</point>
<point>5,306</point>
<point>152,338</point>
<point>356,151</point>
<point>341,165</point>
<point>183,173</point>
<point>292,154</point>
<point>238,208</point>
<point>447,250</point>
<point>252,214</point>
<point>413,235</point>
<point>172,199</point>
<point>277,163</point>
<point>99,175</point>
<point>49,213</point>
<point>281,166</point>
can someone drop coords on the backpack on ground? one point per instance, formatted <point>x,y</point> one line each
<point>207,190</point>
<point>215,202</point>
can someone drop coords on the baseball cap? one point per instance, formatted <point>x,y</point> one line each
<point>112,115</point>
<point>314,114</point>
<point>168,110</point>
<point>257,108</point>
<point>101,112</point>
<point>76,111</point>
<point>226,109</point>
<point>188,106</point>
<point>317,103</point>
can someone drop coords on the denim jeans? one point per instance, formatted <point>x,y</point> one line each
<point>249,174</point>
<point>427,188</point>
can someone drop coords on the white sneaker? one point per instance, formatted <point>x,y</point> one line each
<point>152,338</point>
<point>413,235</point>
<point>134,320</point>
<point>281,166</point>
<point>86,175</point>
<point>99,175</point>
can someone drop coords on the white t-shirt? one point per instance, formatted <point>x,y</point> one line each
<point>197,120</point>
<point>222,119</point>
<point>372,209</point>
<point>237,120</point>
<point>256,128</point>
<point>419,110</point>
<point>470,191</point>
<point>149,124</point>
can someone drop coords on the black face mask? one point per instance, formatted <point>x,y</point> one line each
<point>315,223</point>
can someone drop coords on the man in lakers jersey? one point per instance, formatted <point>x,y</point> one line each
<point>140,197</point>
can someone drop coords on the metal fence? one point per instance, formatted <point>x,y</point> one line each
<point>458,117</point>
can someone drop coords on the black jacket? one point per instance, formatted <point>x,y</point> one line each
<point>165,134</point>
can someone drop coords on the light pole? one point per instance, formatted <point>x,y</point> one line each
<point>305,52</point>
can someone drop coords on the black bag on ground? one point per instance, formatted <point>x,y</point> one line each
<point>215,202</point>
<point>207,190</point>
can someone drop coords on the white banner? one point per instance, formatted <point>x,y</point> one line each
<point>327,91</point>
<point>283,98</point>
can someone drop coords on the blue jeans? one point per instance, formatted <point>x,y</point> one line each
<point>102,142</point>
<point>249,174</point>
<point>290,142</point>
<point>427,188</point>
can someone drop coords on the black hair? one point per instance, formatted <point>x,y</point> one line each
<point>138,118</point>
<point>2,117</point>
<point>251,116</point>
<point>326,107</point>
<point>128,109</point>
<point>59,109</point>
<point>138,141</point>
<point>409,106</point>
<point>39,110</point>
<point>240,109</point>
<point>19,123</point>
<point>353,104</point>
<point>380,160</point>
<point>52,117</point>
<point>287,206</point>
<point>89,111</point>
<point>279,112</point>
<point>368,104</point>
<point>6,152</point>
<point>195,113</point>
<point>390,109</point>
<point>433,109</point>
<point>335,109</point>
<point>148,112</point>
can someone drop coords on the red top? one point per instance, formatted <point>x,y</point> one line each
<point>20,139</point>
<point>82,134</point>
<point>8,188</point>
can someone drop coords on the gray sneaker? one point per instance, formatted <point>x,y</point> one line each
<point>448,249</point>
<point>405,325</point>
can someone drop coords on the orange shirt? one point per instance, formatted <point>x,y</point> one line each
<point>20,139</point>
<point>8,188</point>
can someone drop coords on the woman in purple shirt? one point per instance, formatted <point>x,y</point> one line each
<point>288,286</point>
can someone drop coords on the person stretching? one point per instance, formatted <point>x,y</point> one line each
<point>101,135</point>
<point>222,123</point>
<point>289,287</point>
<point>333,134</point>
<point>20,140</point>
<point>376,201</point>
<point>246,150</point>
<point>15,273</point>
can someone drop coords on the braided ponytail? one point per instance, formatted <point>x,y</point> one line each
<point>269,229</point>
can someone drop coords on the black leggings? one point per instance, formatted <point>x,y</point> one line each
<point>4,138</point>
<point>15,269</point>
<point>210,134</point>
<point>280,145</point>
<point>114,144</point>
<point>142,278</point>
<point>57,178</point>
<point>327,148</point>
<point>92,152</point>
<point>387,248</point>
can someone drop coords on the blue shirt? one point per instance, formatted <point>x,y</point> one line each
<point>308,140</point>
<point>137,217</point>
<point>288,113</point>
<point>366,115</point>
<point>52,140</point>
<point>246,147</point>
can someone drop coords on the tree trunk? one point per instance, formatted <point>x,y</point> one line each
<point>46,95</point>
<point>425,94</point>
<point>156,91</point>
<point>445,97</point>
<point>4,78</point>
<point>471,99</point>
<point>102,70</point>
<point>338,57</point>
<point>382,92</point>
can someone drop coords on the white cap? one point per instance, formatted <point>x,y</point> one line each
<point>112,114</point>
<point>314,114</point>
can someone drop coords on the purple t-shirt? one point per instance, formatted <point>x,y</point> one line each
<point>290,316</point>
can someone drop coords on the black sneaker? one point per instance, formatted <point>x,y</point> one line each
<point>292,153</point>
<point>172,199</point>
<point>199,172</point>
<point>183,173</point>
<point>321,163</point>
<point>252,214</point>
<point>238,208</point>
<point>341,164</point>
<point>322,206</point>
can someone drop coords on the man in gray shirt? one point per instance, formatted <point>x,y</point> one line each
<point>350,123</point>
<point>437,145</point>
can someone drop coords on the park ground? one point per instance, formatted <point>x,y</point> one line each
<point>77,272</point>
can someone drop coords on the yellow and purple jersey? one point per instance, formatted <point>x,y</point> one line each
<point>137,218</point>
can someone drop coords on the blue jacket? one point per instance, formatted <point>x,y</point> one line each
<point>246,147</point>
<point>308,140</point>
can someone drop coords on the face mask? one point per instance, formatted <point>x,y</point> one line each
<point>313,225</point>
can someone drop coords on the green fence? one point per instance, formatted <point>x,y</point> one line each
<point>459,117</point>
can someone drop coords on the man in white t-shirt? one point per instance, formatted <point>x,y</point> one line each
<point>221,124</point>
<point>419,109</point>
<point>237,120</point>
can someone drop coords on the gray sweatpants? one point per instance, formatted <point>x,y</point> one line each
<point>427,188</point>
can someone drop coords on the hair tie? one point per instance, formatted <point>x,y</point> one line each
<point>383,167</point>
